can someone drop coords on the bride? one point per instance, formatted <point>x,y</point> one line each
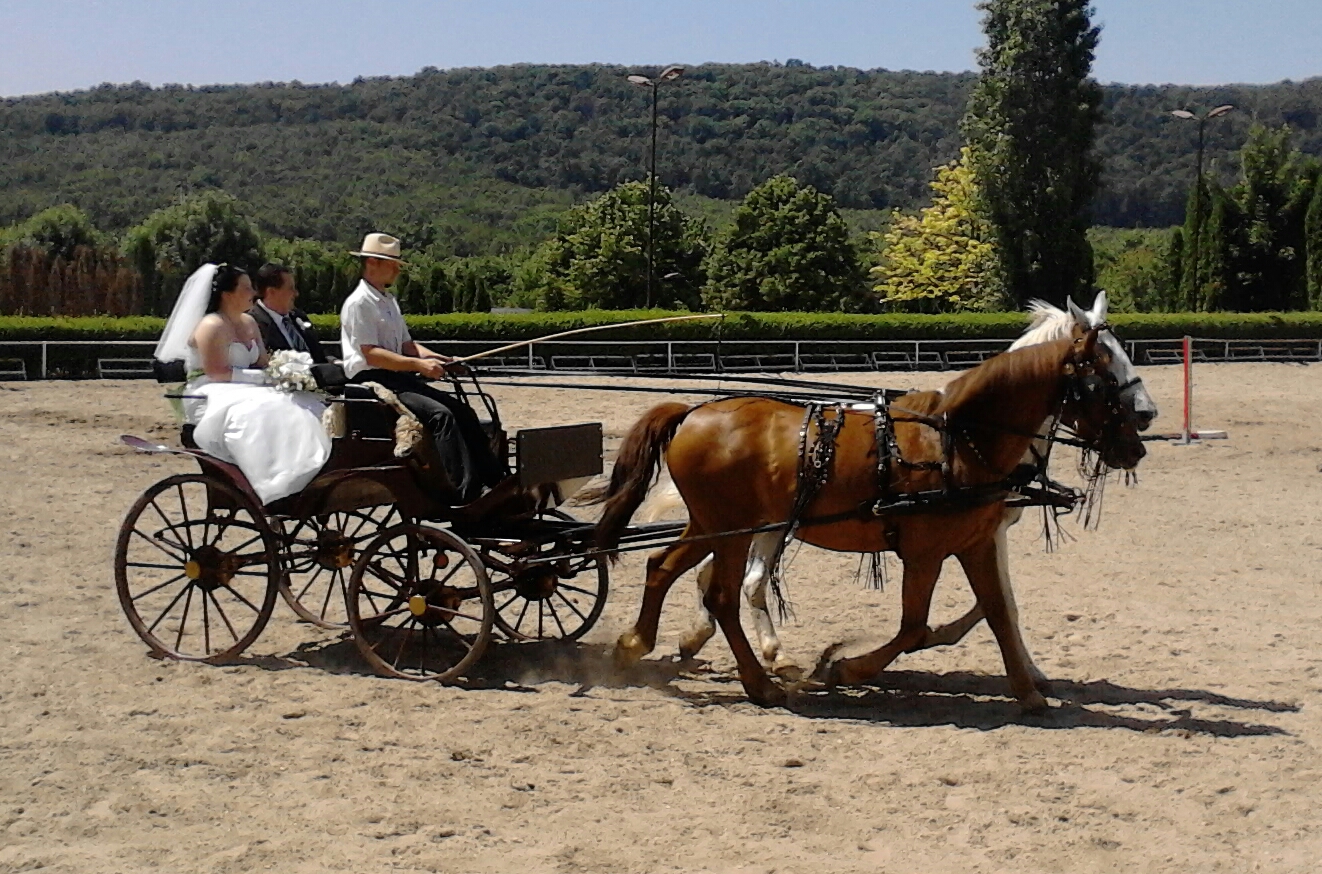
<point>275,437</point>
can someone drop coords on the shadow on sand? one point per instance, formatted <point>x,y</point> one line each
<point>900,698</point>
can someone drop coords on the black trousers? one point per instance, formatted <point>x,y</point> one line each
<point>460,441</point>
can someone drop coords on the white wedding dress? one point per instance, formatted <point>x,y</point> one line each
<point>276,438</point>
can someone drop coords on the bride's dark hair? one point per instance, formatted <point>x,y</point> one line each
<point>225,279</point>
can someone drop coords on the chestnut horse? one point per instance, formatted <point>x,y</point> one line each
<point>1046,323</point>
<point>735,463</point>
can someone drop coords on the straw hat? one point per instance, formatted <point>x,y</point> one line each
<point>380,246</point>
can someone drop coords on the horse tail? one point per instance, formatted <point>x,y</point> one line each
<point>636,468</point>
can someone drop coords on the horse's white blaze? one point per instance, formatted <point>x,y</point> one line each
<point>1049,323</point>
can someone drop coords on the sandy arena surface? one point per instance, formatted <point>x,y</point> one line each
<point>1184,638</point>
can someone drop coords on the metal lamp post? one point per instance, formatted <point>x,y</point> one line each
<point>668,74</point>
<point>1198,182</point>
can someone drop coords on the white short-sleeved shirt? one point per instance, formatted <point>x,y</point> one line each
<point>370,318</point>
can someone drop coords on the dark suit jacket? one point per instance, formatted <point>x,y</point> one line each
<point>273,338</point>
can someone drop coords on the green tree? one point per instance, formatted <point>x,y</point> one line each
<point>1030,123</point>
<point>325,274</point>
<point>787,249</point>
<point>1133,268</point>
<point>598,257</point>
<point>941,259</point>
<point>1269,242</point>
<point>56,232</point>
<point>1313,230</point>
<point>175,241</point>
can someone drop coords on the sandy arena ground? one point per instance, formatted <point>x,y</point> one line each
<point>1184,637</point>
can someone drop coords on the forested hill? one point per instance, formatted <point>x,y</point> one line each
<point>496,147</point>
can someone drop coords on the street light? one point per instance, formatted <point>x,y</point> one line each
<point>1186,115</point>
<point>667,75</point>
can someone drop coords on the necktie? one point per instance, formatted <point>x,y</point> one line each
<point>295,336</point>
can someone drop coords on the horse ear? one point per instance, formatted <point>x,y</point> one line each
<point>1080,317</point>
<point>1099,308</point>
<point>1086,346</point>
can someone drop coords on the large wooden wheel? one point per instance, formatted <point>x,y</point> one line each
<point>319,556</point>
<point>420,604</point>
<point>196,569</point>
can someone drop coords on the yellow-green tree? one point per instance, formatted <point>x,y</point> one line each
<point>941,259</point>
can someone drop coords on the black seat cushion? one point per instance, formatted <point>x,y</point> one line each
<point>365,413</point>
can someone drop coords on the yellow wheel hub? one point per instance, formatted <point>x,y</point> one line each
<point>192,570</point>
<point>417,605</point>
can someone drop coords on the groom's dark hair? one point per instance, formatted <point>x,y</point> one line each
<point>268,276</point>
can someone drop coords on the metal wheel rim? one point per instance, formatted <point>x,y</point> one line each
<point>224,605</point>
<point>390,634</point>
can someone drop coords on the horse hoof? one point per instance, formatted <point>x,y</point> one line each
<point>827,670</point>
<point>629,650</point>
<point>788,671</point>
<point>1034,703</point>
<point>771,696</point>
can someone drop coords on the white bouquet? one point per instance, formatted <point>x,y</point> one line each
<point>291,371</point>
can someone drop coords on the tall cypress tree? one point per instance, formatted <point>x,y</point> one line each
<point>1313,232</point>
<point>1030,124</point>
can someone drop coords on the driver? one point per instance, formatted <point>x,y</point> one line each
<point>377,348</point>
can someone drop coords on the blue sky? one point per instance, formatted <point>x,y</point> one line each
<point>71,44</point>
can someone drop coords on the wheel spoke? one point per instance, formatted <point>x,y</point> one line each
<point>183,623</point>
<point>232,591</point>
<point>317,573</point>
<point>462,637</point>
<point>223,617</point>
<point>149,565</point>
<point>169,526</point>
<point>179,558</point>
<point>169,607</point>
<point>518,623</point>
<point>330,589</point>
<point>380,618</point>
<point>174,579</point>
<point>183,509</point>
<point>540,631</point>
<point>404,641</point>
<point>576,589</point>
<point>550,605</point>
<point>513,598</point>
<point>245,544</point>
<point>206,625</point>
<point>454,613</point>
<point>571,605</point>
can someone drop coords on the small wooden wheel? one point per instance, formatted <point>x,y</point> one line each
<point>420,605</point>
<point>196,569</point>
<point>559,600</point>
<point>319,556</point>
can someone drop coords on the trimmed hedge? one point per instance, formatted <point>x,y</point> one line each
<point>736,326</point>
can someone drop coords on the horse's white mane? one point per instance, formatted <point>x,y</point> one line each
<point>1046,323</point>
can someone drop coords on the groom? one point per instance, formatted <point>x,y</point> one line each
<point>282,324</point>
<point>378,348</point>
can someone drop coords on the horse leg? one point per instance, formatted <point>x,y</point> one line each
<point>692,643</point>
<point>722,601</point>
<point>954,632</point>
<point>663,568</point>
<point>920,575</point>
<point>984,565</point>
<point>756,577</point>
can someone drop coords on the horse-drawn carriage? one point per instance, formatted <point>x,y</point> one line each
<point>376,544</point>
<point>927,475</point>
